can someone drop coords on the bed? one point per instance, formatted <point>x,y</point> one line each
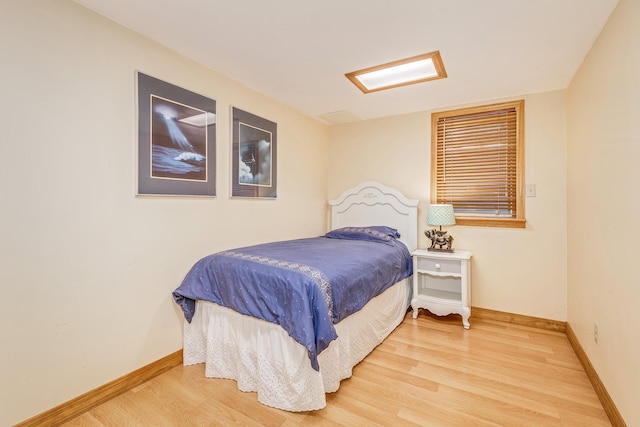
<point>294,350</point>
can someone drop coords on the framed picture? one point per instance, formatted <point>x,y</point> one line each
<point>254,166</point>
<point>176,140</point>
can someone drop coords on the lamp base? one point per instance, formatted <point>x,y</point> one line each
<point>440,250</point>
<point>440,240</point>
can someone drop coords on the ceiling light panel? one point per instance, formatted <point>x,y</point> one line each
<point>404,72</point>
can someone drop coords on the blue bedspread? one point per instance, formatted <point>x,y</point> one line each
<point>303,285</point>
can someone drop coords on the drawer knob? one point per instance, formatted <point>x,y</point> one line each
<point>437,266</point>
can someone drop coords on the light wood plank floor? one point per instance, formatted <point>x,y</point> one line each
<point>428,372</point>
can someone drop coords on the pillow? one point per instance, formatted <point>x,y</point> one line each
<point>376,233</point>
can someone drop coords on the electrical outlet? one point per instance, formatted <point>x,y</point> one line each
<point>596,332</point>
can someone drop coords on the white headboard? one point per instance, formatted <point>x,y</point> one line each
<point>373,203</point>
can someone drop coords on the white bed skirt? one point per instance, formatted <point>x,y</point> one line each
<point>261,357</point>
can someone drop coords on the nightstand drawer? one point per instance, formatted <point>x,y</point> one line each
<point>439,265</point>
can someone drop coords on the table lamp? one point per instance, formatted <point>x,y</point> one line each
<point>440,214</point>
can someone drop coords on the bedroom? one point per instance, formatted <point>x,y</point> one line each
<point>79,251</point>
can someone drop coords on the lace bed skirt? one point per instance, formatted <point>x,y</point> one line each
<point>261,357</point>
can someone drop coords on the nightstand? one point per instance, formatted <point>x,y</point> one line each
<point>442,283</point>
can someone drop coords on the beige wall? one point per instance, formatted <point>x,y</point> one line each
<point>514,270</point>
<point>604,208</point>
<point>87,268</point>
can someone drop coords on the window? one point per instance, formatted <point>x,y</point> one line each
<point>477,163</point>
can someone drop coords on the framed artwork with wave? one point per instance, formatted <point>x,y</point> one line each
<point>254,166</point>
<point>176,140</point>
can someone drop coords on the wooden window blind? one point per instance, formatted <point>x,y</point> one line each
<point>477,163</point>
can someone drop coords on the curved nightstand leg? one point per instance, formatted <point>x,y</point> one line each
<point>466,313</point>
<point>414,305</point>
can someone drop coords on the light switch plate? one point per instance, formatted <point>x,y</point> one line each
<point>531,190</point>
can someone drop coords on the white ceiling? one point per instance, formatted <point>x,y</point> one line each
<point>298,51</point>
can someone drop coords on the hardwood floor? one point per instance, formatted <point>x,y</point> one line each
<point>428,372</point>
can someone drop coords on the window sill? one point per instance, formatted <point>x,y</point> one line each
<point>493,222</point>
